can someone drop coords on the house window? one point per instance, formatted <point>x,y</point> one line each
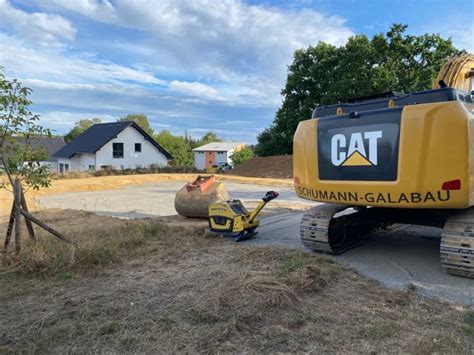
<point>220,153</point>
<point>138,147</point>
<point>66,167</point>
<point>117,150</point>
<point>91,167</point>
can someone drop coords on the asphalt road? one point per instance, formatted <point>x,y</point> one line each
<point>397,258</point>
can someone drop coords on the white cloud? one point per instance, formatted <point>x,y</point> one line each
<point>100,10</point>
<point>36,64</point>
<point>218,39</point>
<point>65,120</point>
<point>36,27</point>
<point>43,84</point>
<point>196,89</point>
<point>218,57</point>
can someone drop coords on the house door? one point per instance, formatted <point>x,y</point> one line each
<point>61,168</point>
<point>210,159</point>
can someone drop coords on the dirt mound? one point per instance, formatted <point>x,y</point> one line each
<point>278,166</point>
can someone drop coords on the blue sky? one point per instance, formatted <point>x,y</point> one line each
<point>192,65</point>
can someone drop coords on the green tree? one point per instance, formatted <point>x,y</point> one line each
<point>241,156</point>
<point>177,146</point>
<point>19,125</point>
<point>20,160</point>
<point>141,120</point>
<point>79,127</point>
<point>209,137</point>
<point>325,74</point>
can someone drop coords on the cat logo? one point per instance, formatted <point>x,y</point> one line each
<point>364,149</point>
<point>359,150</point>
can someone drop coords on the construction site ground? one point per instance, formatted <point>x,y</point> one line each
<point>144,286</point>
<point>401,257</point>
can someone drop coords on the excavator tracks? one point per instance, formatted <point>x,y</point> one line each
<point>457,244</point>
<point>324,229</point>
<point>322,232</point>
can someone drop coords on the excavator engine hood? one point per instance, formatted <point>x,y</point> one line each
<point>407,151</point>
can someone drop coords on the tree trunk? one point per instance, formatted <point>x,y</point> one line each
<point>29,225</point>
<point>11,223</point>
<point>17,204</point>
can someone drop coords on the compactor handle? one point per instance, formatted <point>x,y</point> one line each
<point>270,195</point>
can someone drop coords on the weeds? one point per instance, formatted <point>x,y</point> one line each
<point>95,247</point>
<point>99,243</point>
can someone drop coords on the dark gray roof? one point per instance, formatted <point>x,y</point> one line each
<point>96,136</point>
<point>49,144</point>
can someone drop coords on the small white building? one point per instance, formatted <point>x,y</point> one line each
<point>116,145</point>
<point>215,154</point>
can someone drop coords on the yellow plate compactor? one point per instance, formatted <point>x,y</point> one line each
<point>231,218</point>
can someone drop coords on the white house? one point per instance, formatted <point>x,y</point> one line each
<point>216,154</point>
<point>116,145</point>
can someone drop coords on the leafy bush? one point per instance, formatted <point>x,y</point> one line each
<point>242,155</point>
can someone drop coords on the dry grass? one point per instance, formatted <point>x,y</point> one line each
<point>98,242</point>
<point>141,286</point>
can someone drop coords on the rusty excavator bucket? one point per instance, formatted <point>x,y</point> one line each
<point>194,198</point>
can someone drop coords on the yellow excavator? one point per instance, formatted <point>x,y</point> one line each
<point>392,158</point>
